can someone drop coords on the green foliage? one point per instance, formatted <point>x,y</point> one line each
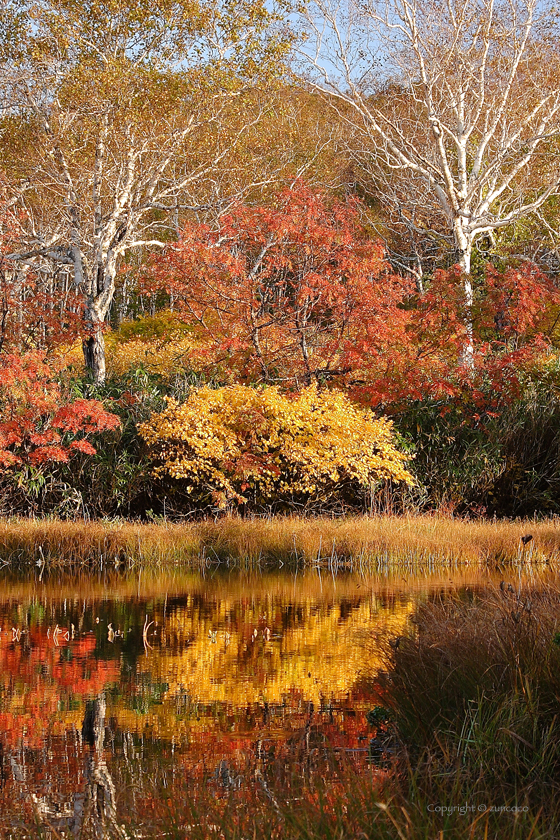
<point>117,480</point>
<point>490,458</point>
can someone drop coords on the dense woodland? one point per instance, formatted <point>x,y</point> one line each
<point>271,258</point>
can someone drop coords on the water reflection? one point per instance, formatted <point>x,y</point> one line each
<point>108,681</point>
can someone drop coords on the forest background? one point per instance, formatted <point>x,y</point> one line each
<point>266,257</point>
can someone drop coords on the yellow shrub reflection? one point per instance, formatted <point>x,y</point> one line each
<point>221,657</point>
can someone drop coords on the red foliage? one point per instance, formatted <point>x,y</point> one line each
<point>296,291</point>
<point>516,302</point>
<point>509,312</point>
<point>282,293</point>
<point>37,424</point>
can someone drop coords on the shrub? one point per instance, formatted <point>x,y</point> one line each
<point>241,445</point>
<point>161,345</point>
<point>501,459</point>
<point>42,429</point>
<point>38,424</point>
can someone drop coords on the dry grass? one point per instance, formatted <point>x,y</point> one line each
<point>377,542</point>
<point>384,538</point>
<point>498,642</point>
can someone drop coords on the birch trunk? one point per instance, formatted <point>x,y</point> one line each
<point>464,246</point>
<point>93,347</point>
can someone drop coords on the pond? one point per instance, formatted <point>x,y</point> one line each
<point>120,696</point>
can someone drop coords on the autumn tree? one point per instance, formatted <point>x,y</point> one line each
<point>117,119</point>
<point>461,97</point>
<point>281,291</point>
<point>511,322</point>
<point>297,292</point>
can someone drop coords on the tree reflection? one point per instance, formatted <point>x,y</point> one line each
<point>95,810</point>
<point>137,707</point>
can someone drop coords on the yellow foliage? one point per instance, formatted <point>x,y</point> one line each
<point>235,439</point>
<point>320,656</point>
<point>155,356</point>
<point>159,344</point>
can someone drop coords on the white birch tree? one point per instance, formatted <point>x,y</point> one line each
<point>116,117</point>
<point>461,96</point>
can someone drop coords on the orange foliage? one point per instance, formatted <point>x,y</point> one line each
<point>37,424</point>
<point>282,292</point>
<point>509,316</point>
<point>41,672</point>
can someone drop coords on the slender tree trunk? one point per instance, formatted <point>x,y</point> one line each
<point>464,247</point>
<point>93,346</point>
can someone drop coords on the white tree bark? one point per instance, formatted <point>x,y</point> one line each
<point>463,95</point>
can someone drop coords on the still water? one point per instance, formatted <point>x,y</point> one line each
<point>118,691</point>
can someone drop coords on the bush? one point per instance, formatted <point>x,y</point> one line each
<point>117,481</point>
<point>238,445</point>
<point>42,429</point>
<point>499,460</point>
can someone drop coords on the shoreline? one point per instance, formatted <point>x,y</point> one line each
<point>354,542</point>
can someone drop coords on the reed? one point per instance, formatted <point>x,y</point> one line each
<point>475,693</point>
<point>478,651</point>
<point>355,542</point>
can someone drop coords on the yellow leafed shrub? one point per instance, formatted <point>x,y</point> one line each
<point>159,344</point>
<point>239,444</point>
